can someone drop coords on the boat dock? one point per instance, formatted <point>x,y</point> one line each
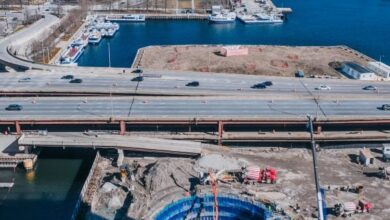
<point>284,10</point>
<point>6,185</point>
<point>176,16</point>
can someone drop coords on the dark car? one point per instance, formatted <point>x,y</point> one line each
<point>385,107</point>
<point>76,81</point>
<point>67,77</point>
<point>14,107</point>
<point>259,86</point>
<point>300,74</point>
<point>137,71</point>
<point>369,88</point>
<point>193,84</point>
<point>268,83</point>
<point>138,79</point>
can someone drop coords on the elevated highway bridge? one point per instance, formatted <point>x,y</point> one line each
<point>222,102</point>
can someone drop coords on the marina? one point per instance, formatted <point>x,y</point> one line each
<point>95,29</point>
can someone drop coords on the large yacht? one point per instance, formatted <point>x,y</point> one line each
<point>71,55</point>
<point>220,15</point>
<point>94,37</point>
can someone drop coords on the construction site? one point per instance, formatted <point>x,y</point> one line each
<point>238,183</point>
<point>257,60</point>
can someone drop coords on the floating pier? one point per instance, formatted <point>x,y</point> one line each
<point>6,185</point>
<point>176,16</point>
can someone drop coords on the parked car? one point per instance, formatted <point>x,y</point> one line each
<point>27,79</point>
<point>323,87</point>
<point>76,81</point>
<point>193,84</point>
<point>369,88</point>
<point>300,74</point>
<point>67,77</point>
<point>385,107</point>
<point>268,83</point>
<point>138,79</point>
<point>137,71</point>
<point>14,107</point>
<point>259,86</point>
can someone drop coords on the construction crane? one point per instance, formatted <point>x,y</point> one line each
<point>213,182</point>
<point>313,151</point>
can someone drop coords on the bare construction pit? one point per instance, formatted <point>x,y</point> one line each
<point>261,60</point>
<point>160,181</point>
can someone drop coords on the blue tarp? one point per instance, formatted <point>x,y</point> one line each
<point>230,207</point>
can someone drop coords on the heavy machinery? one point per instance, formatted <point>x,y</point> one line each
<point>385,172</point>
<point>256,174</point>
<point>348,209</point>
<point>221,176</point>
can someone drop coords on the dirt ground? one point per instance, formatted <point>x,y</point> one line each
<point>261,60</point>
<point>157,181</point>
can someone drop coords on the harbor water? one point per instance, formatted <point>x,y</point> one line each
<point>362,25</point>
<point>48,192</point>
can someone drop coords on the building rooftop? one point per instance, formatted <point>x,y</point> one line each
<point>380,65</point>
<point>357,67</point>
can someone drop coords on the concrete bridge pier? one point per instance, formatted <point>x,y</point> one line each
<point>121,156</point>
<point>220,132</point>
<point>122,127</point>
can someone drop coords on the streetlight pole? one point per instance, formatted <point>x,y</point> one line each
<point>43,53</point>
<point>109,54</point>
<point>314,154</point>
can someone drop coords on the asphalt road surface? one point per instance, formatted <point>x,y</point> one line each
<point>186,108</point>
<point>174,83</point>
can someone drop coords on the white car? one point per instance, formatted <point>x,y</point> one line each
<point>323,87</point>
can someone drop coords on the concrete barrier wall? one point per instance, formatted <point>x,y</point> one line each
<point>85,187</point>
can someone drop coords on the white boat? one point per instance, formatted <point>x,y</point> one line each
<point>94,37</point>
<point>223,17</point>
<point>128,17</point>
<point>71,55</point>
<point>260,19</point>
<point>111,32</point>
<point>82,40</point>
<point>103,32</point>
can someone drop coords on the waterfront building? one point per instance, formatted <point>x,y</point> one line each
<point>356,71</point>
<point>380,69</point>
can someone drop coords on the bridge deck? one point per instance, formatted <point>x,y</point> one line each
<point>131,143</point>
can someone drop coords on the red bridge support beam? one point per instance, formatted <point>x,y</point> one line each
<point>122,127</point>
<point>220,132</point>
<point>17,128</point>
<point>319,129</point>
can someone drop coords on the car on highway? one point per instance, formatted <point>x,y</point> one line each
<point>76,81</point>
<point>138,79</point>
<point>370,87</point>
<point>67,77</point>
<point>385,107</point>
<point>193,84</point>
<point>323,87</point>
<point>268,83</point>
<point>259,86</point>
<point>27,79</point>
<point>14,107</point>
<point>137,71</point>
